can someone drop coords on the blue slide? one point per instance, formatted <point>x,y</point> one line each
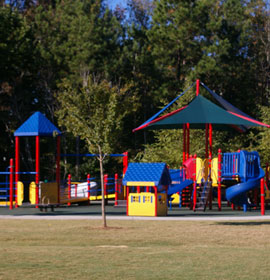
<point>237,193</point>
<point>175,188</point>
<point>178,181</point>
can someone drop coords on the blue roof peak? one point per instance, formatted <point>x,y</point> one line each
<point>37,125</point>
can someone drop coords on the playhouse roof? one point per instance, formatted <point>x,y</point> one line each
<point>199,112</point>
<point>37,125</point>
<point>147,174</point>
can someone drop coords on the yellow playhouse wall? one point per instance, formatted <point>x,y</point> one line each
<point>144,204</point>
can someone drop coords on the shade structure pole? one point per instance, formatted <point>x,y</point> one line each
<point>188,131</point>
<point>125,162</point>
<point>219,179</point>
<point>184,142</point>
<point>17,167</point>
<point>58,152</point>
<point>206,151</point>
<point>210,162</point>
<point>197,87</point>
<point>210,144</point>
<point>37,169</point>
<point>206,140</point>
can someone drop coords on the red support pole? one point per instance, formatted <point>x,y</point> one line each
<point>188,132</point>
<point>88,188</point>
<point>17,167</point>
<point>105,184</point>
<point>138,189</point>
<point>37,169</point>
<point>210,143</point>
<point>206,141</point>
<point>69,189</point>
<point>210,161</point>
<point>58,152</point>
<point>11,184</point>
<point>184,142</point>
<point>156,199</point>
<point>219,179</point>
<point>194,195</point>
<point>125,162</point>
<point>197,87</point>
<point>262,198</point>
<point>116,189</point>
<point>147,189</point>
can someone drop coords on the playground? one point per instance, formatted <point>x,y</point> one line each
<point>235,180</point>
<point>208,219</point>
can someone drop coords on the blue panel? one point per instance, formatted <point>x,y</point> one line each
<point>37,125</point>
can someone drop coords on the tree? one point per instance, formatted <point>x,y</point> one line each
<point>18,68</point>
<point>94,113</point>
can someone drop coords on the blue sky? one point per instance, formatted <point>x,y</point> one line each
<point>113,3</point>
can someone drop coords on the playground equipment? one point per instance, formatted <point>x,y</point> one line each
<point>151,177</point>
<point>245,168</point>
<point>193,185</point>
<point>201,113</point>
<point>113,189</point>
<point>11,193</point>
<point>38,125</point>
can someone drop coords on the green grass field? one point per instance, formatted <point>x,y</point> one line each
<point>80,249</point>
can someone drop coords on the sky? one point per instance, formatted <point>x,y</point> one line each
<point>112,3</point>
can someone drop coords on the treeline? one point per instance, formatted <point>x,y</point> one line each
<point>148,52</point>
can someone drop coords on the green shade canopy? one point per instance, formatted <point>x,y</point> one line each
<point>198,113</point>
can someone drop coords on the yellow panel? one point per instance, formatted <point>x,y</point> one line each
<point>141,184</point>
<point>199,170</point>
<point>32,193</point>
<point>141,204</point>
<point>214,171</point>
<point>49,193</point>
<point>176,198</point>
<point>109,196</point>
<point>20,193</point>
<point>144,204</point>
<point>6,203</point>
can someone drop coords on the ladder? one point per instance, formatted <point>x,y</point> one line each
<point>203,195</point>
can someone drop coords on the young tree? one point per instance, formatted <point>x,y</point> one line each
<point>93,113</point>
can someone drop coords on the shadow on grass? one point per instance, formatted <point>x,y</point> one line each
<point>254,223</point>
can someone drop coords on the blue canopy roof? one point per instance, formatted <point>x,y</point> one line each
<point>147,173</point>
<point>37,125</point>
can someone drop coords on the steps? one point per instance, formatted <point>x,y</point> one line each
<point>203,193</point>
<point>186,197</point>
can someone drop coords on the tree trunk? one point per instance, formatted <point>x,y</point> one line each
<point>100,158</point>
